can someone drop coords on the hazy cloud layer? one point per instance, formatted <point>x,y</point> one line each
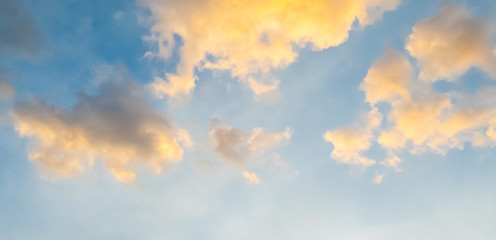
<point>115,126</point>
<point>239,147</point>
<point>249,38</point>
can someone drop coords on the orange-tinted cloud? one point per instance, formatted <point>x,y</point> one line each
<point>251,177</point>
<point>249,37</point>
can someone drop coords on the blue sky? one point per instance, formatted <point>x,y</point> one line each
<point>97,143</point>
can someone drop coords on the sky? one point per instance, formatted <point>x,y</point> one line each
<point>260,119</point>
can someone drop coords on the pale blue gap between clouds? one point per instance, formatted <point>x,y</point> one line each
<point>435,197</point>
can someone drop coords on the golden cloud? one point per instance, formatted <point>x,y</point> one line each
<point>422,119</point>
<point>249,37</point>
<point>350,142</point>
<point>115,126</point>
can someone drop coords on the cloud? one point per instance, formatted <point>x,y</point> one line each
<point>378,178</point>
<point>422,119</point>
<point>115,126</point>
<point>249,38</point>
<point>350,142</point>
<point>388,79</point>
<point>7,92</point>
<point>236,146</point>
<point>251,177</point>
<point>451,42</point>
<point>118,15</point>
<point>19,32</point>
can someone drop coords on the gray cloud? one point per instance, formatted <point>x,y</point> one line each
<point>115,126</point>
<point>18,31</point>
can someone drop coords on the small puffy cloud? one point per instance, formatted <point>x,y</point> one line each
<point>239,147</point>
<point>350,142</point>
<point>115,126</point>
<point>388,79</point>
<point>251,177</point>
<point>449,43</point>
<point>7,92</point>
<point>392,161</point>
<point>249,37</point>
<point>18,30</point>
<point>378,178</point>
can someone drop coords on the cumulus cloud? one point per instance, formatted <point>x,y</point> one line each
<point>422,119</point>
<point>251,177</point>
<point>239,147</point>
<point>350,142</point>
<point>388,79</point>
<point>19,32</point>
<point>451,42</point>
<point>115,126</point>
<point>249,38</point>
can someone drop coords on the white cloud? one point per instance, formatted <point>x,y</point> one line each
<point>378,178</point>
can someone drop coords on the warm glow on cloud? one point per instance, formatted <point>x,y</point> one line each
<point>115,126</point>
<point>249,38</point>
<point>449,43</point>
<point>422,119</point>
<point>239,147</point>
<point>350,142</point>
<point>251,177</point>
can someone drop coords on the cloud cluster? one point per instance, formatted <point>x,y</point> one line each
<point>239,147</point>
<point>115,126</point>
<point>422,119</point>
<point>249,38</point>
